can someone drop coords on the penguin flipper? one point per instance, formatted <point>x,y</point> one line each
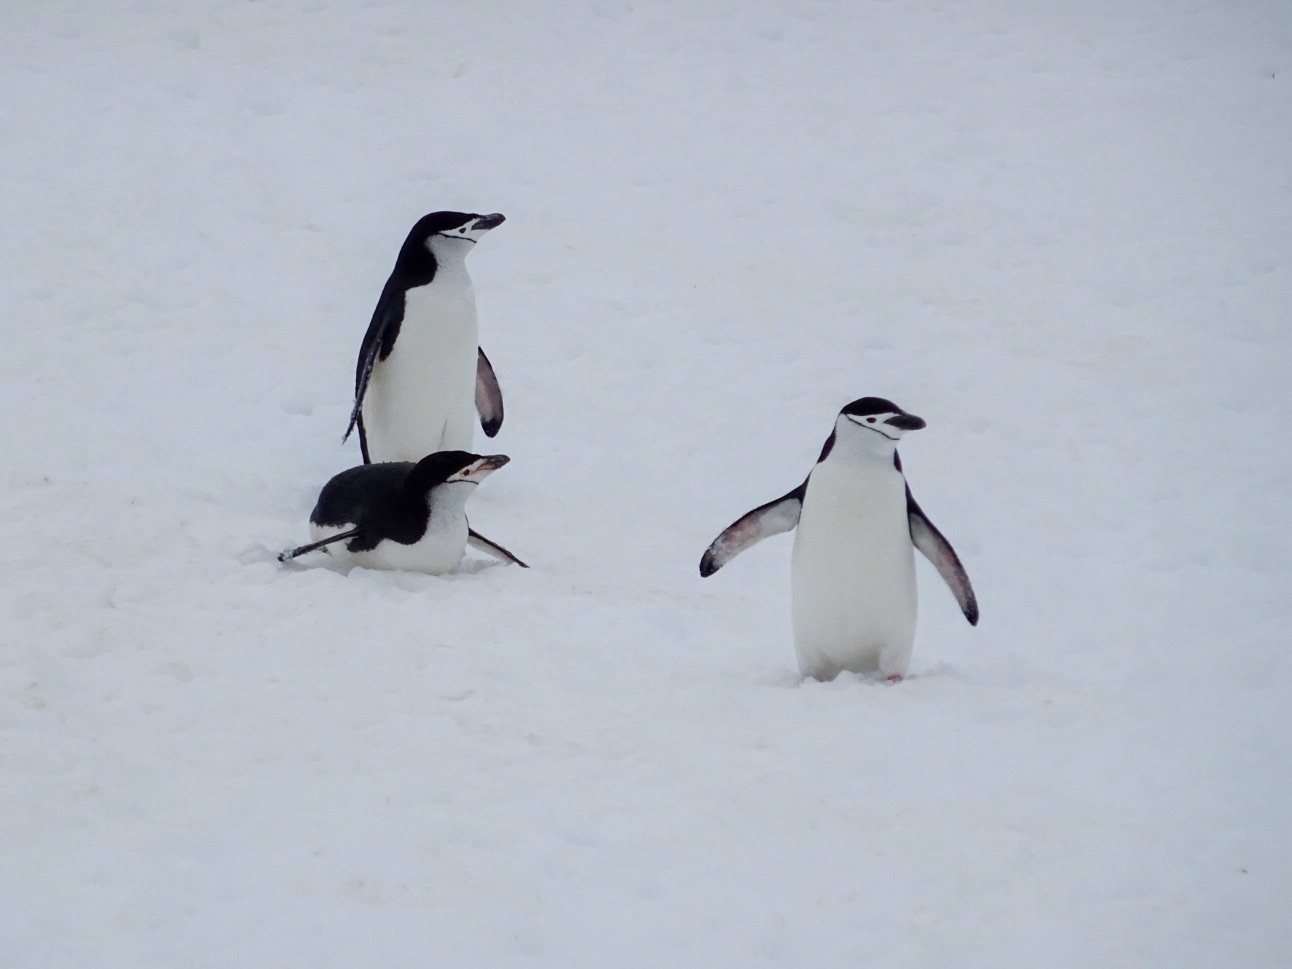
<point>488,395</point>
<point>751,528</point>
<point>303,549</point>
<point>482,544</point>
<point>935,547</point>
<point>378,341</point>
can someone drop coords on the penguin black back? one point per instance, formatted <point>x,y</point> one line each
<point>374,498</point>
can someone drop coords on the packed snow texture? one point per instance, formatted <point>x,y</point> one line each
<point>1061,233</point>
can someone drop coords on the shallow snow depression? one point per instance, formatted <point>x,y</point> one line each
<point>1061,236</point>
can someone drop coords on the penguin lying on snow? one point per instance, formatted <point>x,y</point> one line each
<point>421,373</point>
<point>399,515</point>
<point>852,590</point>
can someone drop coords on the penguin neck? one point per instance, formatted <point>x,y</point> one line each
<point>858,443</point>
<point>449,498</point>
<point>451,258</point>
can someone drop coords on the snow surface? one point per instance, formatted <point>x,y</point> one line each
<point>1061,233</point>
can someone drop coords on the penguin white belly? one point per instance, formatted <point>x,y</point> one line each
<point>853,592</point>
<point>421,398</point>
<point>440,550</point>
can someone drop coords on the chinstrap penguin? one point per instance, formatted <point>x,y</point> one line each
<point>421,372</point>
<point>852,589</point>
<point>400,515</point>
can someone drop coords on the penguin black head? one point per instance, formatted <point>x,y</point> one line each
<point>881,416</point>
<point>450,467</point>
<point>437,237</point>
<point>453,225</point>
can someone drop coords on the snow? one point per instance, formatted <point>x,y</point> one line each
<point>1060,233</point>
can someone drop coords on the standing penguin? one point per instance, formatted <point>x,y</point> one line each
<point>420,367</point>
<point>852,589</point>
<point>400,515</point>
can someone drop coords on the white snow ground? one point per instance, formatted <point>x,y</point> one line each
<point>1062,233</point>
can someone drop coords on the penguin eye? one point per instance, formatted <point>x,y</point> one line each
<point>870,420</point>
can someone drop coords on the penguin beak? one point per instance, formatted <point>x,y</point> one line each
<point>906,422</point>
<point>486,466</point>
<point>487,222</point>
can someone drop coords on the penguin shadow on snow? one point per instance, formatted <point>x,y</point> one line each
<point>783,678</point>
<point>935,674</point>
<point>409,580</point>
